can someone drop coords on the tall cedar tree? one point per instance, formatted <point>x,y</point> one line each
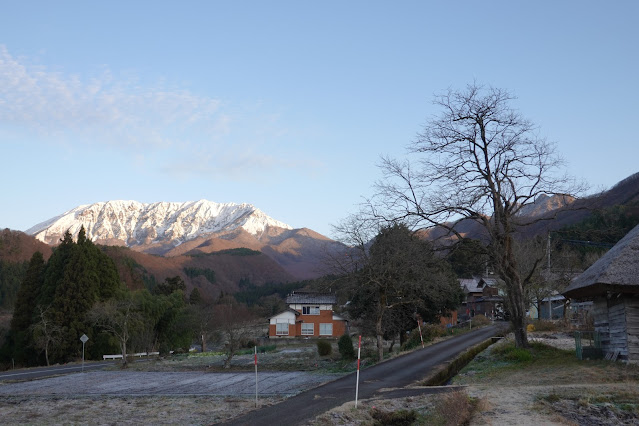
<point>19,339</point>
<point>76,277</point>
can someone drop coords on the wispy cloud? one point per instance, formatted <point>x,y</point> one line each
<point>119,112</point>
<point>116,111</point>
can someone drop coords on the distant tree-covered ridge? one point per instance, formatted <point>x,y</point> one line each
<point>241,251</point>
<point>207,273</point>
<point>606,226</point>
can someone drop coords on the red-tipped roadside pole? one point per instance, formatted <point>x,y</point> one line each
<point>359,350</point>
<point>256,376</point>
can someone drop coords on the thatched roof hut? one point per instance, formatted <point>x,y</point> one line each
<point>612,283</point>
<point>616,271</point>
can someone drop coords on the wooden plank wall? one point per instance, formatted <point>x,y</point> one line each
<point>632,325</point>
<point>617,326</point>
<point>600,317</point>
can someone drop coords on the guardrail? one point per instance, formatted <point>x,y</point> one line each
<point>139,355</point>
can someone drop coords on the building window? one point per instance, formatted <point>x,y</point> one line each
<point>326,329</point>
<point>281,329</point>
<point>308,329</point>
<point>310,310</point>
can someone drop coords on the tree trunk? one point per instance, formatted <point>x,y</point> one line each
<point>227,361</point>
<point>379,329</point>
<point>518,316</point>
<point>380,347</point>
<point>46,353</point>
<point>514,286</point>
<point>123,347</point>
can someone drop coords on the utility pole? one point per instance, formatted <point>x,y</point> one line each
<point>548,250</point>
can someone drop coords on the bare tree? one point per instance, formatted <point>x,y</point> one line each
<point>45,331</point>
<point>233,323</point>
<point>479,160</point>
<point>118,318</point>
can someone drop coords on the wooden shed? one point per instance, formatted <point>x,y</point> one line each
<point>612,283</point>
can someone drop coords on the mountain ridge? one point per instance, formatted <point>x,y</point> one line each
<point>173,229</point>
<point>133,223</point>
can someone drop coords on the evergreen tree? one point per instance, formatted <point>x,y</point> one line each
<point>170,285</point>
<point>54,270</point>
<point>401,276</point>
<point>11,276</point>
<point>19,341</point>
<point>195,298</point>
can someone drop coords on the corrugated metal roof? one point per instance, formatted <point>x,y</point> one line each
<point>311,298</point>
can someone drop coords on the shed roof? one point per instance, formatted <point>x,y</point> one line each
<point>617,271</point>
<point>311,297</point>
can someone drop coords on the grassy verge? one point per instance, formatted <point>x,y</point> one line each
<point>541,364</point>
<point>584,392</point>
<point>454,408</point>
<point>443,375</point>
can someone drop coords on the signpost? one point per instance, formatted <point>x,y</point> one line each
<point>84,339</point>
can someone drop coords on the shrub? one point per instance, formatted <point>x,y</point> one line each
<point>455,408</point>
<point>345,346</point>
<point>479,320</point>
<point>429,332</point>
<point>545,325</point>
<point>519,355</point>
<point>400,417</point>
<point>510,352</point>
<point>324,347</point>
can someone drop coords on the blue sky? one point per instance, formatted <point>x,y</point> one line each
<point>288,105</point>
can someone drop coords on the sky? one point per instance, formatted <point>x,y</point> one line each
<point>289,105</point>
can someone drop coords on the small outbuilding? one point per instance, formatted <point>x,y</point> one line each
<point>612,283</point>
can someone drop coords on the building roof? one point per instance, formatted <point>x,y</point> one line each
<point>299,297</point>
<point>616,271</point>
<point>285,311</point>
<point>477,284</point>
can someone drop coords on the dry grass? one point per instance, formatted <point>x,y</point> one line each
<point>455,408</point>
<point>447,409</point>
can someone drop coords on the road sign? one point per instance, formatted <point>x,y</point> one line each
<point>84,339</point>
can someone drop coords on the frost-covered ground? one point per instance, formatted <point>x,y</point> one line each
<point>126,383</point>
<point>130,397</point>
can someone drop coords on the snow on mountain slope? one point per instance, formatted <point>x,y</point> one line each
<point>132,223</point>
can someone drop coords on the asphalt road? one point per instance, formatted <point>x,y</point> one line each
<point>392,374</point>
<point>40,372</point>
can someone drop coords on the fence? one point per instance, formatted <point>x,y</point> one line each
<point>588,345</point>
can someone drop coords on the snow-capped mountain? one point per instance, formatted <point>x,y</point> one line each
<point>131,223</point>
